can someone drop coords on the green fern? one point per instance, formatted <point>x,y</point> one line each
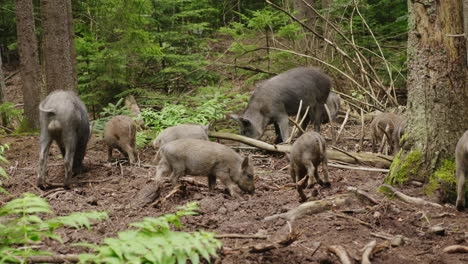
<point>22,224</point>
<point>153,241</point>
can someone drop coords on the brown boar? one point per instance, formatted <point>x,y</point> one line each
<point>120,133</point>
<point>307,153</point>
<point>200,157</point>
<point>382,127</point>
<point>193,131</point>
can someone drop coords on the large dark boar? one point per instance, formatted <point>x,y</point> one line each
<point>199,157</point>
<point>333,104</point>
<point>382,125</point>
<point>63,119</point>
<point>461,161</point>
<point>307,153</point>
<point>120,133</point>
<point>275,99</point>
<point>181,131</point>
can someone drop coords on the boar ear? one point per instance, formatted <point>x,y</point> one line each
<point>245,162</point>
<point>242,121</point>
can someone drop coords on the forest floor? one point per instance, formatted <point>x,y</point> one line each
<point>113,187</point>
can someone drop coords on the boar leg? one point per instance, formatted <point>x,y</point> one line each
<point>325,172</point>
<point>312,173</point>
<point>70,149</point>
<point>211,182</point>
<point>283,123</point>
<point>278,138</point>
<point>131,154</point>
<point>460,188</point>
<point>225,178</point>
<point>109,153</point>
<point>46,141</point>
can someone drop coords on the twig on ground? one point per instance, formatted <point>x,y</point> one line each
<point>353,218</point>
<point>241,236</point>
<point>358,161</point>
<point>343,125</point>
<point>367,252</point>
<point>50,192</point>
<point>409,199</point>
<point>178,188</point>
<point>455,249</point>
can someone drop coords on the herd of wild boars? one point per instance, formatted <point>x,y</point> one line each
<point>186,148</point>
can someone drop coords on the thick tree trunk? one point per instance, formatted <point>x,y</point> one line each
<point>59,47</point>
<point>3,120</point>
<point>29,58</point>
<point>465,25</point>
<point>437,93</point>
<point>304,12</point>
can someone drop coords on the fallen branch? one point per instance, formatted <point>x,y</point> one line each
<point>220,236</point>
<point>367,252</point>
<point>148,194</point>
<point>343,125</point>
<point>363,194</point>
<point>455,249</point>
<point>364,157</point>
<point>353,218</point>
<point>178,188</point>
<point>341,253</point>
<point>340,166</point>
<point>409,199</point>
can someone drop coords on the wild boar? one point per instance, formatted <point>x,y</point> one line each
<point>181,131</point>
<point>382,125</point>
<point>307,153</point>
<point>461,161</point>
<point>120,133</point>
<point>63,118</point>
<point>277,98</point>
<point>200,157</point>
<point>333,104</point>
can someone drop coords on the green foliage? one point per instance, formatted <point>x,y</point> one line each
<point>153,241</point>
<point>23,225</point>
<point>3,160</point>
<point>199,110</point>
<point>443,181</point>
<point>11,113</point>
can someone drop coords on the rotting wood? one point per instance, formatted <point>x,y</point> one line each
<point>367,158</point>
<point>409,199</point>
<point>455,249</point>
<point>148,194</point>
<point>52,259</point>
<point>341,253</point>
<point>367,252</point>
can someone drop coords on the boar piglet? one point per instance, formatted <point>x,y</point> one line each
<point>333,104</point>
<point>193,131</point>
<point>199,157</point>
<point>120,133</point>
<point>461,161</point>
<point>382,125</point>
<point>277,98</point>
<point>307,153</point>
<point>63,119</point>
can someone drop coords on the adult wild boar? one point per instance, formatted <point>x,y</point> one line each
<point>398,132</point>
<point>181,131</point>
<point>63,119</point>
<point>461,161</point>
<point>199,157</point>
<point>277,98</point>
<point>120,133</point>
<point>307,153</point>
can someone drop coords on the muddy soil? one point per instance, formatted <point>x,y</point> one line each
<point>113,187</point>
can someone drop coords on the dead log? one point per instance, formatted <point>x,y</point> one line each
<point>456,249</point>
<point>341,253</point>
<point>409,199</point>
<point>148,194</point>
<point>367,252</point>
<point>52,259</point>
<point>369,159</point>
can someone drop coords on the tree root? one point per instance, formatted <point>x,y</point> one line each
<point>409,199</point>
<point>456,249</point>
<point>341,253</point>
<point>367,252</point>
<point>263,247</point>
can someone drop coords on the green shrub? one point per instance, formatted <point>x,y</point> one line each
<point>153,241</point>
<point>22,226</point>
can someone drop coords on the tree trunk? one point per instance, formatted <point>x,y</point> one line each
<point>437,94</point>
<point>304,12</point>
<point>465,25</point>
<point>29,58</point>
<point>59,47</point>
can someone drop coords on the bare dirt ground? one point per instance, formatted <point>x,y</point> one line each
<point>113,188</point>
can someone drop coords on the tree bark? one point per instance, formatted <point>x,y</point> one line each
<point>59,48</point>
<point>3,120</point>
<point>465,25</point>
<point>304,12</point>
<point>29,58</point>
<point>437,91</point>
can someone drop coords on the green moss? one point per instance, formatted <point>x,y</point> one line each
<point>443,181</point>
<point>402,170</point>
<point>25,128</point>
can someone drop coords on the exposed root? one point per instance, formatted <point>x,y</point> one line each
<point>456,249</point>
<point>367,252</point>
<point>409,199</point>
<point>341,253</point>
<point>263,247</point>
